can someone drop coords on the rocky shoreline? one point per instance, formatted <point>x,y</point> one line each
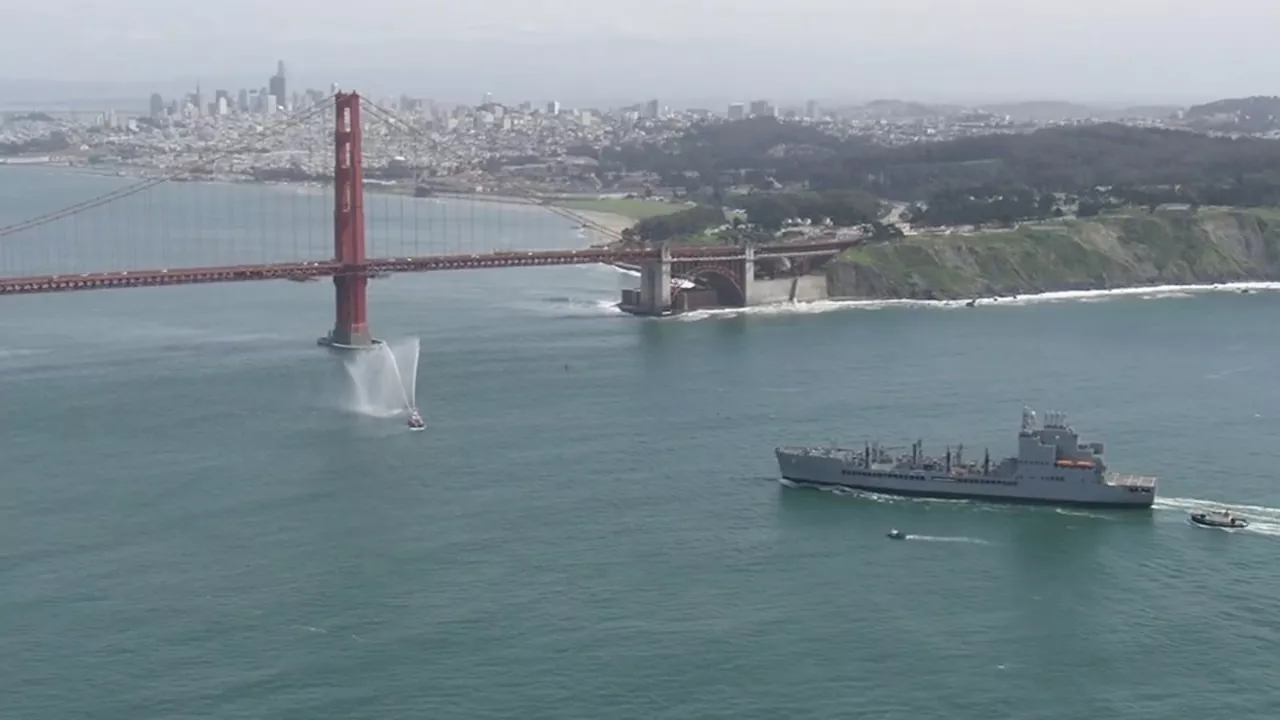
<point>1125,250</point>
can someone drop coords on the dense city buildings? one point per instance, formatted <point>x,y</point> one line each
<point>464,147</point>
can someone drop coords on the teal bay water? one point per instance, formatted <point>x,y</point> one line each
<point>196,521</point>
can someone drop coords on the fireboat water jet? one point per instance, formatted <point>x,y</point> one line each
<point>373,376</point>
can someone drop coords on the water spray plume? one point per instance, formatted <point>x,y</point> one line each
<point>383,382</point>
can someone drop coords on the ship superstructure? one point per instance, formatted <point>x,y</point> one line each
<point>1052,466</point>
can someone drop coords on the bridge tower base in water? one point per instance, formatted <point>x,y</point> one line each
<point>351,325</point>
<point>655,286</point>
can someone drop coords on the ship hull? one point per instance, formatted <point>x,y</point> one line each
<point>816,470</point>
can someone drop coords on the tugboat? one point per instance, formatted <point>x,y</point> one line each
<point>896,534</point>
<point>416,422</point>
<point>1218,519</point>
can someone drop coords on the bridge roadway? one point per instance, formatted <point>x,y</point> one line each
<point>330,268</point>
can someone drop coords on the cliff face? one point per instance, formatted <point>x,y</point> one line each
<point>1174,247</point>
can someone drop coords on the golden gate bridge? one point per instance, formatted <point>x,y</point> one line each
<point>162,231</point>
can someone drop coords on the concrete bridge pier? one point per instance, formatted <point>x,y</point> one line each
<point>748,275</point>
<point>655,285</point>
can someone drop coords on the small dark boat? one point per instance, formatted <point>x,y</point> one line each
<point>896,534</point>
<point>1218,519</point>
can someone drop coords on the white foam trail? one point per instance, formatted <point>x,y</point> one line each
<point>1178,503</point>
<point>886,498</point>
<point>1269,529</point>
<point>1081,513</point>
<point>1263,519</point>
<point>5,354</point>
<point>1225,373</point>
<point>948,539</point>
<point>826,306</point>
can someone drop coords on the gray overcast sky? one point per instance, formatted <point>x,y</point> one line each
<point>678,50</point>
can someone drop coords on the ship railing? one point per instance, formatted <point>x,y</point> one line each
<point>821,451</point>
<point>1140,481</point>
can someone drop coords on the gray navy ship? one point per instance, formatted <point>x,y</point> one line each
<point>1052,466</point>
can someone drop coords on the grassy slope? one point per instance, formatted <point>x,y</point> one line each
<point>1116,250</point>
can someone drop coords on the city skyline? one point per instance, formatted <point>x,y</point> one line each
<point>32,94</point>
<point>695,52</point>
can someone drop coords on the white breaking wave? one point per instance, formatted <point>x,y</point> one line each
<point>1158,292</point>
<point>817,307</point>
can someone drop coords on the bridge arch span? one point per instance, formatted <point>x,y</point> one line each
<point>726,283</point>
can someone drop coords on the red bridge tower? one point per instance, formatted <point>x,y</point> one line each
<point>351,326</point>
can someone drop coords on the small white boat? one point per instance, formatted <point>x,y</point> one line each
<point>1218,519</point>
<point>896,534</point>
<point>416,422</point>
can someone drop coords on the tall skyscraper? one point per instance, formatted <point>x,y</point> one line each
<point>157,105</point>
<point>276,86</point>
<point>651,109</point>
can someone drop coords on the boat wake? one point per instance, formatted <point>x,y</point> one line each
<point>1263,520</point>
<point>1082,513</point>
<point>562,306</point>
<point>947,539</point>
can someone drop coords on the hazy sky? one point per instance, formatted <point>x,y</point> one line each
<point>677,50</point>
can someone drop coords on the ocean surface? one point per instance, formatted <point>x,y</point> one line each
<point>204,515</point>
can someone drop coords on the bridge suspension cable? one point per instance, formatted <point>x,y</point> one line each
<point>297,118</point>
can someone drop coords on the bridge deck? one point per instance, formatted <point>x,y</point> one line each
<point>434,263</point>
